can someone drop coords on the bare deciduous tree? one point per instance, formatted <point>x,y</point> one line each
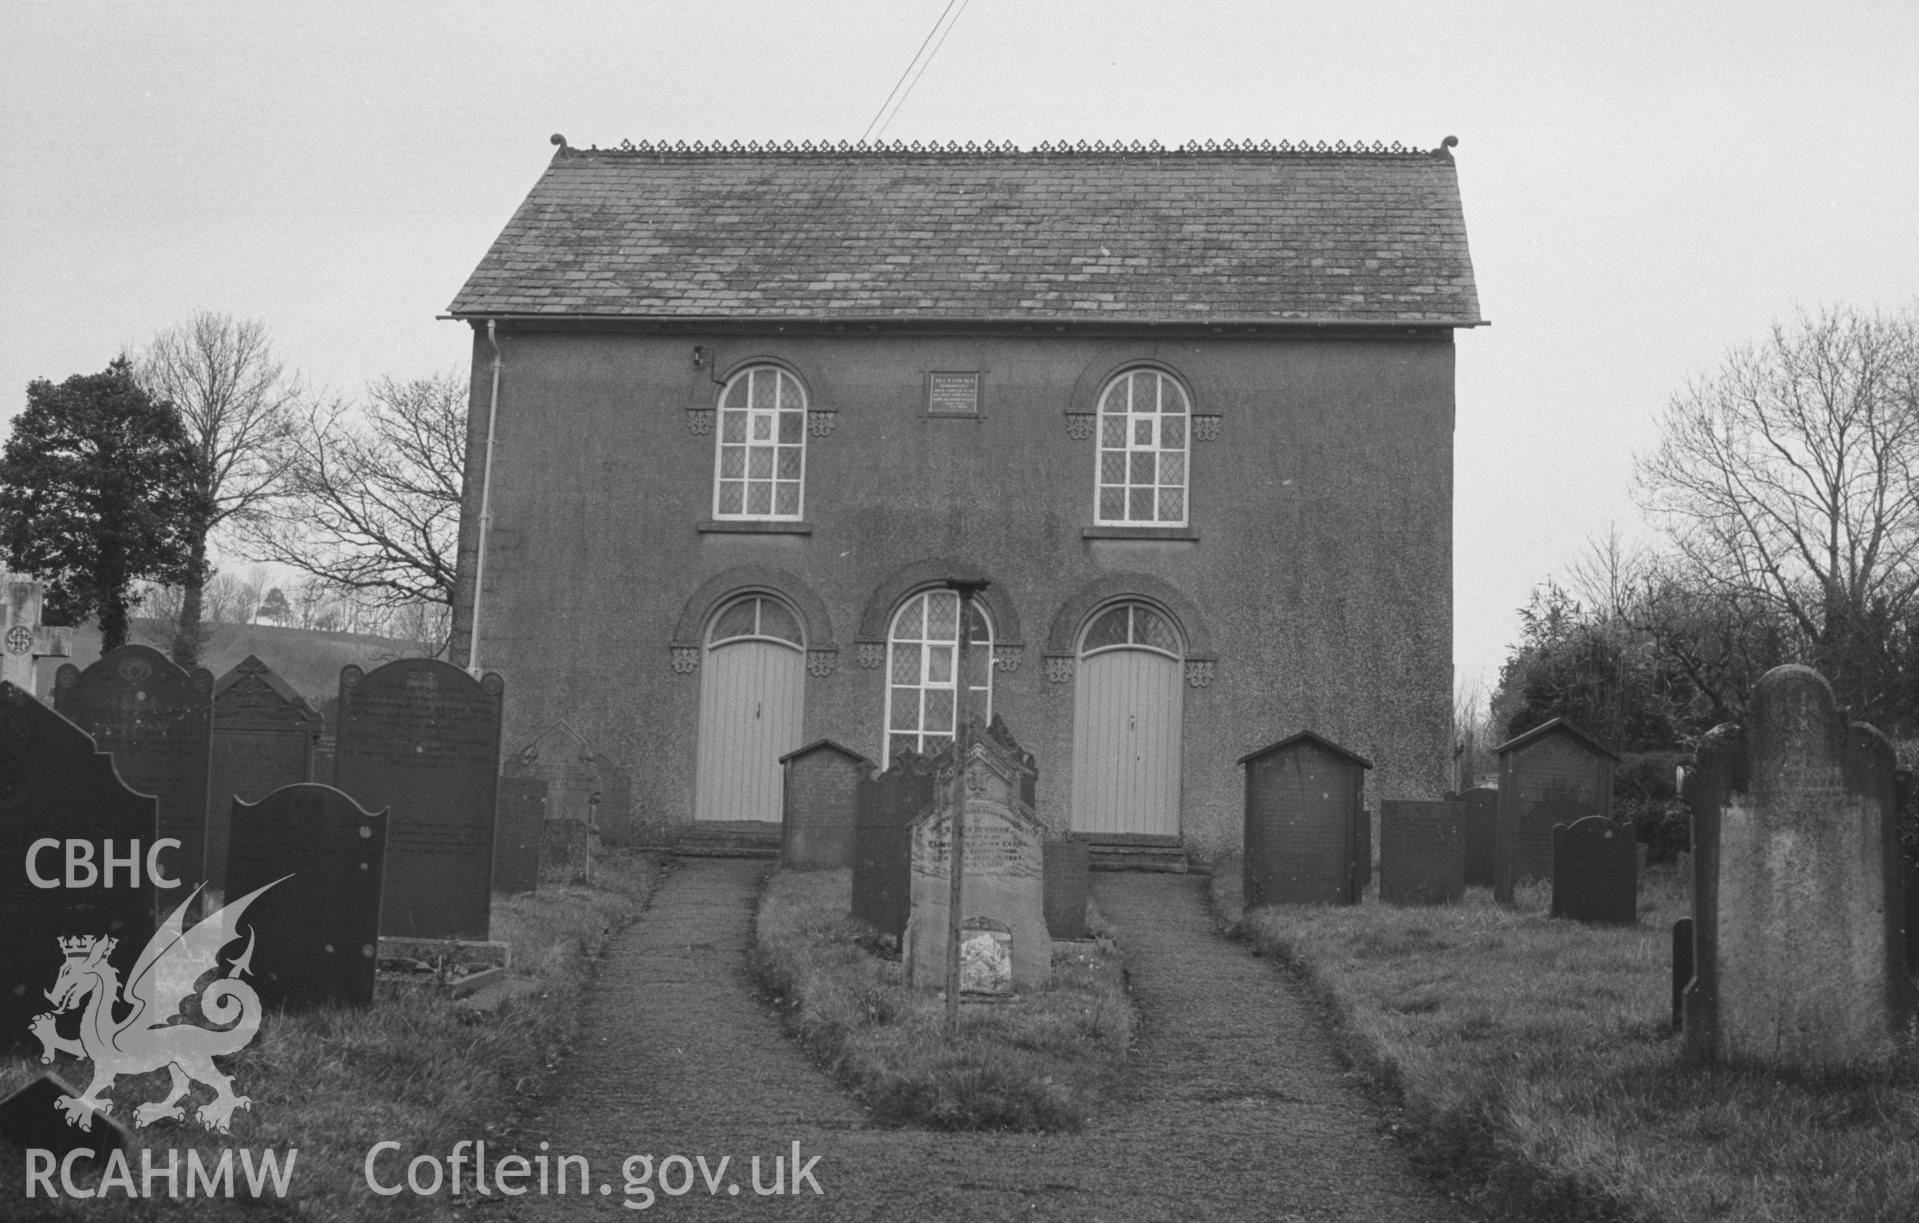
<point>1787,475</point>
<point>374,495</point>
<point>240,405</point>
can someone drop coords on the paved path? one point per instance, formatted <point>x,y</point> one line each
<point>1243,1113</point>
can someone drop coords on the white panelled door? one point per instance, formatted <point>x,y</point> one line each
<point>1126,725</point>
<point>752,697</point>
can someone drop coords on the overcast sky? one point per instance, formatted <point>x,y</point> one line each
<point>1645,184</point>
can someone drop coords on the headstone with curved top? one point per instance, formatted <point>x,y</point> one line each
<point>156,720</point>
<point>263,736</point>
<point>1799,931</point>
<point>421,739</point>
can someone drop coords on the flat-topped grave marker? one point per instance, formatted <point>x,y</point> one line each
<point>319,927</point>
<point>156,720</point>
<point>1068,873</point>
<point>263,735</point>
<point>819,805</point>
<point>1422,858</point>
<point>1479,830</point>
<point>24,641</point>
<point>1552,774</point>
<point>883,851</point>
<point>519,827</point>
<point>1798,896</point>
<point>66,819</point>
<point>1003,880</point>
<point>1595,872</point>
<point>420,739</point>
<point>1302,831</point>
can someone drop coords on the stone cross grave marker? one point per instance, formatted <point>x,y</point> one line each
<point>1595,872</point>
<point>519,827</point>
<point>1799,933</point>
<point>1478,829</point>
<point>581,784</point>
<point>1422,857</point>
<point>263,735</point>
<point>157,722</point>
<point>1302,829</point>
<point>1552,774</point>
<point>888,804</point>
<point>317,930</point>
<point>819,805</point>
<point>1068,869</point>
<point>78,857</point>
<point>420,739</point>
<point>1004,879</point>
<point>24,641</point>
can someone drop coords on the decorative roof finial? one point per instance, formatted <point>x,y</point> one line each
<point>1450,142</point>
<point>557,140</point>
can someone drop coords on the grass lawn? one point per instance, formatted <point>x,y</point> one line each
<point>1535,1060</point>
<point>414,1069</point>
<point>1046,1061</point>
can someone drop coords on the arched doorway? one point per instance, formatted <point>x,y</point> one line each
<point>1126,723</point>
<point>752,697</point>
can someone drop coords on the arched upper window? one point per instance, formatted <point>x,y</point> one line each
<point>759,462</point>
<point>756,618</point>
<point>1143,435</point>
<point>1131,626</point>
<point>921,651</point>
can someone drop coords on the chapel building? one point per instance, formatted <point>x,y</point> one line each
<point>740,414</point>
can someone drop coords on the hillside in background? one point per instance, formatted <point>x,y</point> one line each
<point>308,660</point>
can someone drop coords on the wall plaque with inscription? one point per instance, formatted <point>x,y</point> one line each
<point>952,393</point>
<point>420,738</point>
<point>1798,895</point>
<point>1422,857</point>
<point>156,720</point>
<point>316,930</point>
<point>263,736</point>
<point>55,785</point>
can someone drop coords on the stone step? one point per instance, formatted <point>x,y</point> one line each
<point>717,839</point>
<point>1136,853</point>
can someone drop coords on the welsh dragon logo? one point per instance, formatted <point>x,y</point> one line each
<point>152,1031</point>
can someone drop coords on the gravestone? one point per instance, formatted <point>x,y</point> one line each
<point>156,720</point>
<point>566,851</point>
<point>1004,873</point>
<point>317,930</point>
<point>1363,855</point>
<point>986,958</point>
<point>1478,831</point>
<point>59,795</point>
<point>1681,970</point>
<point>24,641</point>
<point>420,739</point>
<point>1912,916</point>
<point>883,851</point>
<point>1068,865</point>
<point>1302,827</point>
<point>581,784</point>
<point>819,805</point>
<point>518,830</point>
<point>263,733</point>
<point>1552,774</point>
<point>1595,872</point>
<point>1798,891</point>
<point>1422,857</point>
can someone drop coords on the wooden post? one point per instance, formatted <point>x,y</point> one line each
<point>956,836</point>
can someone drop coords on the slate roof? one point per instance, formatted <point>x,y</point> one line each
<point>1200,235</point>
